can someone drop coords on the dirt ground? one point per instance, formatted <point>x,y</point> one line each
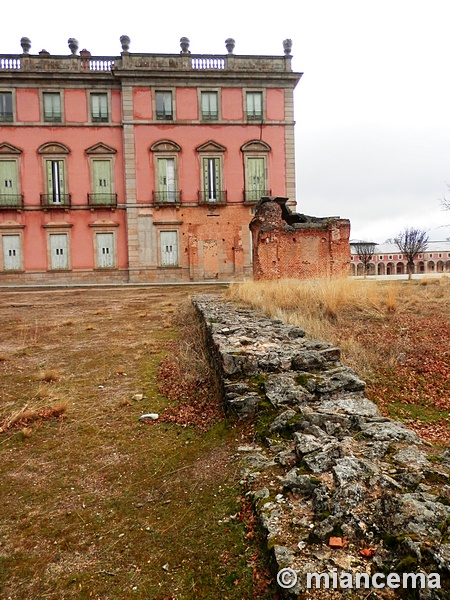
<point>95,503</point>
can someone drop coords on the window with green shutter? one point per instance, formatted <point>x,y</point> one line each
<point>52,107</point>
<point>6,107</point>
<point>255,179</point>
<point>102,185</point>
<point>210,106</point>
<point>254,105</point>
<point>166,180</point>
<point>99,108</point>
<point>55,182</point>
<point>9,189</point>
<point>211,179</point>
<point>164,109</point>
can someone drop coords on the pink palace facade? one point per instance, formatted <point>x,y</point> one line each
<point>139,167</point>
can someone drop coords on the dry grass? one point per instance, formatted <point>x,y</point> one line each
<point>319,305</point>
<point>395,334</point>
<point>32,414</point>
<point>94,503</point>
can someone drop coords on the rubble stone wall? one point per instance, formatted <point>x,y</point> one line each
<point>336,485</point>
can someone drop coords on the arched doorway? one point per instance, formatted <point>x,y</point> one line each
<point>430,266</point>
<point>390,269</point>
<point>400,269</point>
<point>381,269</point>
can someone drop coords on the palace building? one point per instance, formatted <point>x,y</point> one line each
<point>139,167</point>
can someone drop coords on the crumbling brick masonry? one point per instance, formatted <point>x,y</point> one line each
<point>292,245</point>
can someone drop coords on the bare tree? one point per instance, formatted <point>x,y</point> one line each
<point>445,202</point>
<point>365,252</point>
<point>410,242</point>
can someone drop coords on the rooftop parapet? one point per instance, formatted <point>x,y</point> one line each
<point>126,61</point>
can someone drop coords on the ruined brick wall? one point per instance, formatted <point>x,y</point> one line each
<point>288,245</point>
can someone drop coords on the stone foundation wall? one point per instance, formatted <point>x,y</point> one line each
<point>335,484</point>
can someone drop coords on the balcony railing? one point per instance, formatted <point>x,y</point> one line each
<point>254,196</point>
<point>8,201</point>
<point>161,198</point>
<point>205,197</point>
<point>55,200</point>
<point>108,200</point>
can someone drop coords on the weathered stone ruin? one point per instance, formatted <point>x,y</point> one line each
<point>287,244</point>
<point>335,484</point>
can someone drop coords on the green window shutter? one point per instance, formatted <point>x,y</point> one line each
<point>99,103</point>
<point>162,174</point>
<point>211,178</point>
<point>255,178</point>
<point>52,107</point>
<point>55,180</point>
<point>8,178</point>
<point>102,176</point>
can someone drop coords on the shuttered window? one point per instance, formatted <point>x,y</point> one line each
<point>210,110</point>
<point>169,248</point>
<point>55,181</point>
<point>6,107</point>
<point>105,250</point>
<point>254,105</point>
<point>99,108</point>
<point>59,250</point>
<point>256,185</point>
<point>211,179</point>
<point>164,108</point>
<point>12,254</point>
<point>8,183</point>
<point>52,107</point>
<point>166,179</point>
<point>102,181</point>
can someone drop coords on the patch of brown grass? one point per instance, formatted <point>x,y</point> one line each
<point>49,375</point>
<point>27,415</point>
<point>394,334</point>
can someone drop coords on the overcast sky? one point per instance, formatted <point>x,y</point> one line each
<point>372,108</point>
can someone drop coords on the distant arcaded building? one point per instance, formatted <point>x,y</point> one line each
<point>388,260</point>
<point>291,245</point>
<point>139,167</point>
